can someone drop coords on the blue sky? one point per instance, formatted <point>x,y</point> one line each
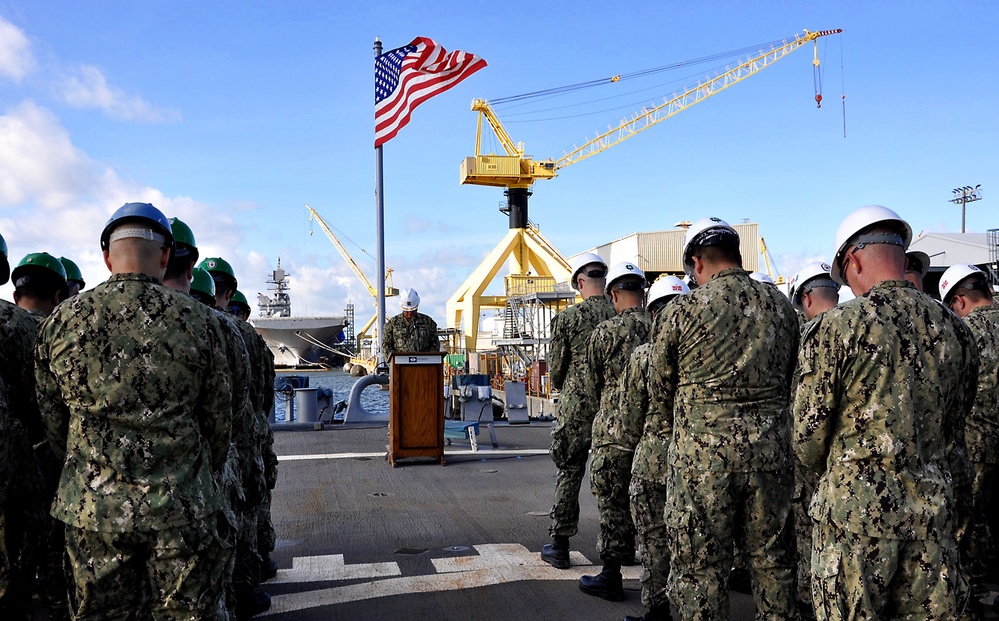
<point>232,115</point>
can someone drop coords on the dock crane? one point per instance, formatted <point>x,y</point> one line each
<point>768,261</point>
<point>516,172</point>
<point>354,267</point>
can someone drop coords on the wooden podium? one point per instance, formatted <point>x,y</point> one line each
<point>416,405</point>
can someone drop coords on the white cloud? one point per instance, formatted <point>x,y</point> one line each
<point>86,87</point>
<point>38,162</point>
<point>54,197</point>
<point>16,59</point>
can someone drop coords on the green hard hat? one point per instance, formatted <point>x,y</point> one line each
<point>38,261</point>
<point>4,265</point>
<point>202,282</point>
<point>218,265</point>
<point>183,238</point>
<point>238,303</point>
<point>72,271</point>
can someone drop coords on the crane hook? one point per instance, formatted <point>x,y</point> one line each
<point>818,100</point>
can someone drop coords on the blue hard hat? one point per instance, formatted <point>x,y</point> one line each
<point>137,212</point>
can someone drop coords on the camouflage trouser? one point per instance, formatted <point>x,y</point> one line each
<point>570,449</point>
<point>610,475</point>
<point>859,577</point>
<point>648,502</point>
<point>266,537</point>
<point>977,540</point>
<point>25,527</point>
<point>804,488</point>
<point>709,512</point>
<point>183,567</point>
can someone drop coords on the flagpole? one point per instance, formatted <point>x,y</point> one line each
<point>380,365</point>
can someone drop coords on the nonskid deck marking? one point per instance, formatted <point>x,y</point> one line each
<point>331,568</point>
<point>480,453</point>
<point>495,564</point>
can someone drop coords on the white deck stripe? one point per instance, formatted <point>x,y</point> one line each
<point>495,564</point>
<point>482,452</point>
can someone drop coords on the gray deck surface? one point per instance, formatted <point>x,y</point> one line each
<point>422,541</point>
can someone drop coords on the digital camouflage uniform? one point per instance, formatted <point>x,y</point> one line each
<point>724,356</point>
<point>401,335</point>
<point>572,431</point>
<point>804,486</point>
<point>133,386</point>
<point>262,400</point>
<point>7,467</point>
<point>982,437</point>
<point>886,381</point>
<point>242,477</point>
<point>609,347</point>
<point>25,508</point>
<point>648,431</point>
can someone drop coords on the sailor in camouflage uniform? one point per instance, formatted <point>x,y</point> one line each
<point>410,330</point>
<point>567,370</point>
<point>40,285</point>
<point>17,337</point>
<point>609,347</point>
<point>250,598</point>
<point>965,290</point>
<point>648,432</point>
<point>266,537</point>
<point>812,292</point>
<point>886,382</point>
<point>722,360</point>
<point>133,386</point>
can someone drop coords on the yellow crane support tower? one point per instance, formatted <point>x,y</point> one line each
<point>354,267</point>
<point>516,171</point>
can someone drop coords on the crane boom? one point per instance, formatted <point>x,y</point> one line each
<point>516,170</point>
<point>695,94</point>
<point>349,259</point>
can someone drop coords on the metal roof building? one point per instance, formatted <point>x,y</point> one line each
<point>946,249</point>
<point>660,252</point>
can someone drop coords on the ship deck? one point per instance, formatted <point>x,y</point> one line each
<point>359,539</point>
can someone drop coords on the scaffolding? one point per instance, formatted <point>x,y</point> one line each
<point>532,303</point>
<point>350,330</point>
<point>992,239</point>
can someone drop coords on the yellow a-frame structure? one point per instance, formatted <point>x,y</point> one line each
<point>529,253</point>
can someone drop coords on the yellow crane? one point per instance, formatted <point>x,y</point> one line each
<point>516,171</point>
<point>354,267</point>
<point>778,279</point>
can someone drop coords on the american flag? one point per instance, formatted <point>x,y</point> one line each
<point>407,76</point>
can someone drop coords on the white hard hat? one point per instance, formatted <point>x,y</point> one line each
<point>622,270</point>
<point>409,299</point>
<point>761,277</point>
<point>917,261</point>
<point>954,275</point>
<point>812,271</point>
<point>707,232</point>
<point>859,220</point>
<point>582,261</point>
<point>666,287</point>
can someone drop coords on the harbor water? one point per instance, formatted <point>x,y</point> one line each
<point>374,399</point>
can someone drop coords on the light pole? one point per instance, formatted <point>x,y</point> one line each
<point>965,195</point>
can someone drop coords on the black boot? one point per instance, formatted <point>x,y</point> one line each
<point>656,613</point>
<point>268,568</point>
<point>628,559</point>
<point>556,553</point>
<point>606,584</point>
<point>251,601</point>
